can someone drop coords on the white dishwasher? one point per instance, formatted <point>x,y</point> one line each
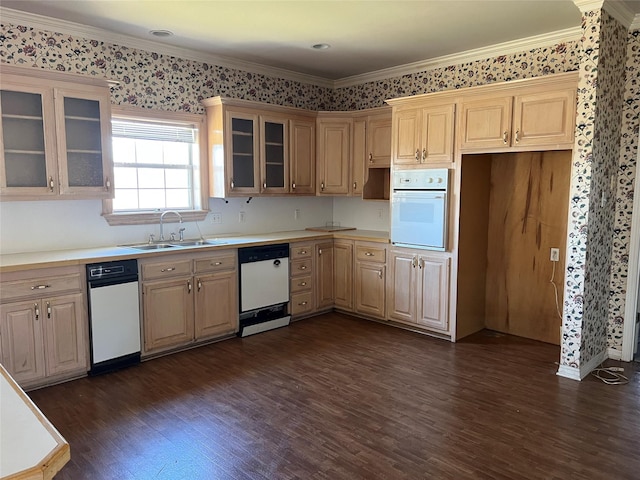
<point>114,315</point>
<point>264,288</point>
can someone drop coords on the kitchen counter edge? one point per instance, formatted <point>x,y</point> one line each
<point>60,258</point>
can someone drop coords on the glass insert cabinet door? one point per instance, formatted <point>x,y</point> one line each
<point>27,141</point>
<point>84,147</point>
<point>274,164</point>
<point>242,133</point>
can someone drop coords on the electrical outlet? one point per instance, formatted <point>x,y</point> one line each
<point>241,217</point>
<point>555,255</point>
<point>296,214</point>
<point>216,218</point>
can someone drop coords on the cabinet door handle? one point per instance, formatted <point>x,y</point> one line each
<point>40,287</point>
<point>370,157</point>
<point>320,251</point>
<point>302,284</point>
<point>107,184</point>
<point>36,310</point>
<point>505,137</point>
<point>355,185</point>
<point>303,267</point>
<point>189,285</point>
<point>293,186</point>
<point>421,263</point>
<point>368,254</point>
<point>418,155</point>
<point>517,138</point>
<point>48,310</point>
<point>302,303</point>
<point>414,262</point>
<point>170,269</point>
<point>302,252</point>
<point>264,184</point>
<point>232,185</point>
<point>199,285</point>
<point>51,185</point>
<point>424,154</point>
<point>216,264</point>
<point>379,273</point>
<point>322,186</point>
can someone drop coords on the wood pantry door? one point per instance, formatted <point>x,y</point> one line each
<point>528,203</point>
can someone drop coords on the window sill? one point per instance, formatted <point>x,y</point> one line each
<point>153,217</point>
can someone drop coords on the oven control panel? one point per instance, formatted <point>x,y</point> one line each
<point>431,179</point>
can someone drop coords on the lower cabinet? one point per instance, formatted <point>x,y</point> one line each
<point>418,289</point>
<point>187,299</point>
<point>370,279</point>
<point>43,337</point>
<point>302,280</point>
<point>343,274</point>
<point>324,264</point>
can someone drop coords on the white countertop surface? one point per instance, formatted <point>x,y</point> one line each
<point>56,258</point>
<point>27,439</point>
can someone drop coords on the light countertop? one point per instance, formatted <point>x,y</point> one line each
<point>82,256</point>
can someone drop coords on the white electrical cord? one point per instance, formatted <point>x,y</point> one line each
<point>610,375</point>
<point>555,289</point>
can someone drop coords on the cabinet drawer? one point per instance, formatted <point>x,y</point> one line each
<point>371,254</point>
<point>301,267</point>
<point>301,303</point>
<point>166,269</point>
<point>40,286</point>
<point>301,284</point>
<point>216,264</point>
<point>301,251</point>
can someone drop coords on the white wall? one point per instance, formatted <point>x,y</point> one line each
<point>361,214</point>
<point>65,224</point>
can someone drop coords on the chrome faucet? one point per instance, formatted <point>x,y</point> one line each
<point>162,220</point>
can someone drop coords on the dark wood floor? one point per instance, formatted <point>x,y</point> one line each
<point>341,398</point>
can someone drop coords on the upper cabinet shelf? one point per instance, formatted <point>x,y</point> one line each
<point>54,136</point>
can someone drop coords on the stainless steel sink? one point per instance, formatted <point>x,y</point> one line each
<point>151,246</point>
<point>176,244</point>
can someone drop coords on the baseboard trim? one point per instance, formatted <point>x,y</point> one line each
<point>614,354</point>
<point>575,373</point>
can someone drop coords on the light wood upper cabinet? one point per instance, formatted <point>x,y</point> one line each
<point>259,149</point>
<point>302,156</point>
<point>55,136</point>
<point>539,119</point>
<point>423,135</point>
<point>334,155</point>
<point>358,155</point>
<point>378,153</point>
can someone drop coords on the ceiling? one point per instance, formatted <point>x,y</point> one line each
<point>364,36</point>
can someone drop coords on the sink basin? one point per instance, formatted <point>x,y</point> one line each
<point>196,243</point>
<point>152,246</point>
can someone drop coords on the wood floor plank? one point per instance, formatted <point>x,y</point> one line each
<point>335,397</point>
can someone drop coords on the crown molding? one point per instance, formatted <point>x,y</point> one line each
<point>616,8</point>
<point>17,17</point>
<point>567,35</point>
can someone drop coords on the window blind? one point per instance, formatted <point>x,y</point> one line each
<point>153,131</point>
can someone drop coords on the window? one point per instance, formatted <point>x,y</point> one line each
<point>157,159</point>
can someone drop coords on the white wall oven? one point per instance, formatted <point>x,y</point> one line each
<point>419,208</point>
